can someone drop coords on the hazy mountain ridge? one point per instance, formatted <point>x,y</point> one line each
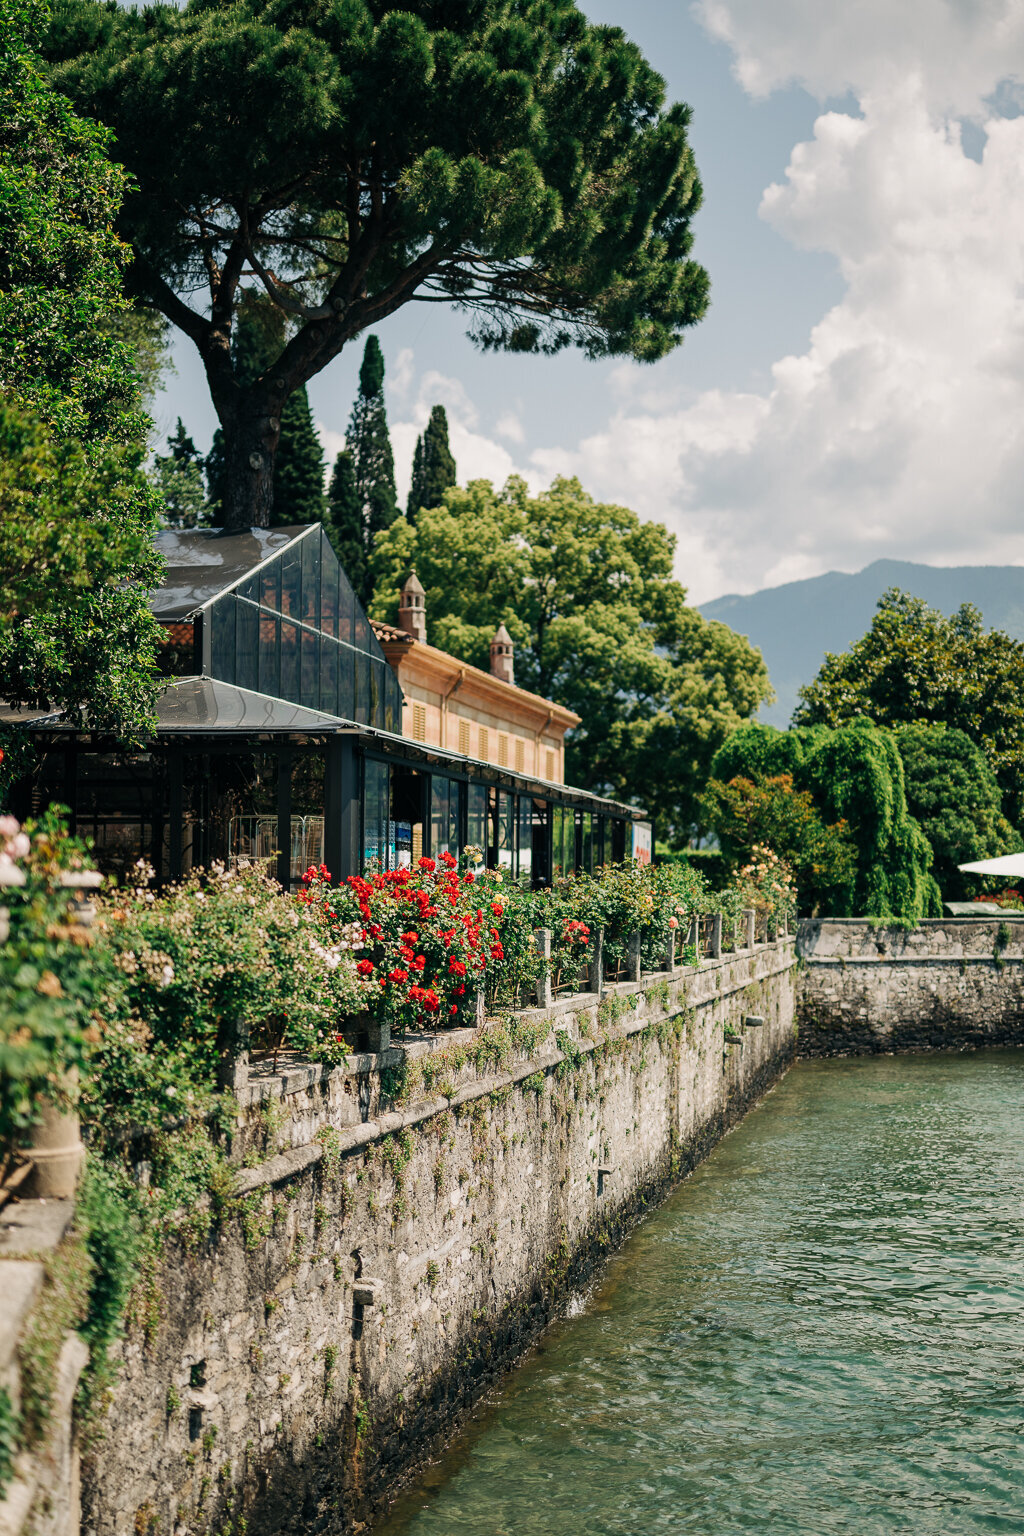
<point>795,624</point>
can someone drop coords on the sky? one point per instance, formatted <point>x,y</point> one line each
<point>857,388</point>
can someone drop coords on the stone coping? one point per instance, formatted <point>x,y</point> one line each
<point>285,1165</point>
<point>296,1076</point>
<point>945,961</point>
<point>881,924</point>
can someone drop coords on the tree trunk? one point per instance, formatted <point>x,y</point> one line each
<point>251,433</point>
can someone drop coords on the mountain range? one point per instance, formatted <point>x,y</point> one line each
<point>794,625</point>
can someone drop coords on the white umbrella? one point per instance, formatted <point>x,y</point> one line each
<point>1011,864</point>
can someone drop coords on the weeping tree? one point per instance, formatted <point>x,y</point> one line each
<point>856,784</point>
<point>506,157</point>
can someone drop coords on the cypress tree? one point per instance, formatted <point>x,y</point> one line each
<point>299,466</point>
<point>438,462</point>
<point>345,524</point>
<point>369,443</point>
<point>433,467</point>
<point>416,487</point>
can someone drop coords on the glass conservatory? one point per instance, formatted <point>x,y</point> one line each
<point>278,737</point>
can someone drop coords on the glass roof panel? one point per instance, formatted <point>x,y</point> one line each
<point>201,562</point>
<point>204,704</point>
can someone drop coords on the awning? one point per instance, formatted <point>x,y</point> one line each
<point>1011,865</point>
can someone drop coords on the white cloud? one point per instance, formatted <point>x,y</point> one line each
<point>899,430</point>
<point>962,48</point>
<point>508,425</point>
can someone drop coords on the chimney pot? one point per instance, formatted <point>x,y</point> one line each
<point>502,655</point>
<point>412,612</point>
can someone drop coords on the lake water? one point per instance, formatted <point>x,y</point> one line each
<point>822,1331</point>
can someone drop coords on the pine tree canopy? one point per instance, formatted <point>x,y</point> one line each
<point>511,159</point>
<point>369,443</point>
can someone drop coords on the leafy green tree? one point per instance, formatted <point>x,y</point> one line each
<point>76,513</point>
<point>772,812</point>
<point>146,333</point>
<point>855,776</point>
<point>433,465</point>
<point>516,161</point>
<point>344,521</point>
<point>953,794</point>
<point>915,665</point>
<point>587,593</point>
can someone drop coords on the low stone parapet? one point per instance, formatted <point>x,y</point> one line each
<point>948,984</point>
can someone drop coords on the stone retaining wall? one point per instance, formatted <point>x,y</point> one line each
<point>950,983</point>
<point>390,1263</point>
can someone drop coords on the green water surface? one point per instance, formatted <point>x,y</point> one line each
<point>822,1331</point>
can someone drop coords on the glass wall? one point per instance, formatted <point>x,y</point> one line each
<point>378,828</point>
<point>563,840</point>
<point>307,813</point>
<point>501,831</point>
<point>585,841</point>
<point>476,817</point>
<point>524,840</point>
<point>120,803</point>
<point>407,792</point>
<point>445,809</point>
<point>600,856</point>
<point>295,630</point>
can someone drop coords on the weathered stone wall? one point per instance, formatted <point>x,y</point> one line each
<point>951,983</point>
<point>389,1265</point>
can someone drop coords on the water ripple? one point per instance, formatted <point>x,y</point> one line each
<point>822,1332</point>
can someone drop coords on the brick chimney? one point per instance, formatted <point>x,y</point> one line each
<point>502,663</point>
<point>412,613</point>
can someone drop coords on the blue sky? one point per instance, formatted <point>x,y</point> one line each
<point>857,389</point>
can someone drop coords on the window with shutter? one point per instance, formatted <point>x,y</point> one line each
<point>484,744</point>
<point>502,751</point>
<point>520,754</point>
<point>419,722</point>
<point>464,737</point>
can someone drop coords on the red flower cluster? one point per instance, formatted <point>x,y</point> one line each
<point>576,932</point>
<point>426,949</point>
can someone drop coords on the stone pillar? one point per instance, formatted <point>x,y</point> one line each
<point>693,935</point>
<point>751,917</point>
<point>56,1151</point>
<point>542,944</point>
<point>670,950</point>
<point>715,948</point>
<point>633,957</point>
<point>595,970</point>
<point>233,1056</point>
<point>380,1035</point>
